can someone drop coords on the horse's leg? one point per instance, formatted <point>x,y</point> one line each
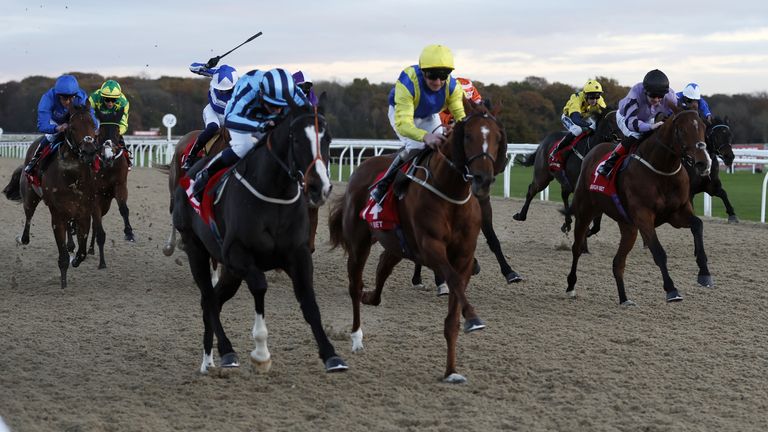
<point>312,227</point>
<point>387,262</point>
<point>486,212</point>
<point>31,200</point>
<point>567,212</point>
<point>628,237</point>
<point>99,234</point>
<point>416,278</point>
<point>723,195</point>
<point>170,244</point>
<point>300,270</point>
<point>645,222</point>
<point>60,227</point>
<point>121,196</point>
<point>357,254</point>
<point>257,285</point>
<point>540,180</point>
<point>583,218</point>
<point>688,219</point>
<point>71,233</point>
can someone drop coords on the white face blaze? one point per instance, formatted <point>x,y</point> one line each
<point>319,166</point>
<point>485,131</point>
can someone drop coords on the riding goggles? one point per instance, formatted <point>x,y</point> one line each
<point>437,74</point>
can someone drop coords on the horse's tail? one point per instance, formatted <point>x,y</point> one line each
<point>526,159</point>
<point>335,222</point>
<point>13,190</point>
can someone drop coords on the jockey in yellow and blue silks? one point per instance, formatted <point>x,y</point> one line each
<point>419,94</point>
<point>53,113</point>
<point>259,100</point>
<point>223,79</point>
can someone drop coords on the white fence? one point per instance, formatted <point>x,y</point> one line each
<point>351,152</point>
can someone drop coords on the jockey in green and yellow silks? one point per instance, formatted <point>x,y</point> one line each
<point>111,105</point>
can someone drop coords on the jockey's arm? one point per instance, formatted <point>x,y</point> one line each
<point>45,122</point>
<point>124,118</point>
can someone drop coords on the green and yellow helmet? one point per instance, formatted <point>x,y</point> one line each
<point>110,89</point>
<point>436,57</point>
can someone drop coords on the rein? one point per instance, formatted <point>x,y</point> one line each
<point>666,147</point>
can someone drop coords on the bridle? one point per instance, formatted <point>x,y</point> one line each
<point>76,147</point>
<point>723,143</point>
<point>464,170</point>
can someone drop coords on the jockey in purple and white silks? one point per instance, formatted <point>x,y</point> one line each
<point>259,100</point>
<point>53,113</point>
<point>690,98</point>
<point>637,112</point>
<point>223,79</point>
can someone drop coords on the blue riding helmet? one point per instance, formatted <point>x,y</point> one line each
<point>277,87</point>
<point>66,85</point>
<point>225,78</point>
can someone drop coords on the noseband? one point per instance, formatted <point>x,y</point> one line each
<point>710,134</point>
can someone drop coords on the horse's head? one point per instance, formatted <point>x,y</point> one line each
<point>686,132</point>
<point>479,146</point>
<point>81,133</point>
<point>607,129</point>
<point>310,141</point>
<point>719,138</point>
<point>109,142</point>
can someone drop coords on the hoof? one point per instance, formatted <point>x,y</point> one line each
<point>475,268</point>
<point>357,341</point>
<point>455,378</point>
<point>419,286</point>
<point>168,250</point>
<point>473,324</point>
<point>229,361</point>
<point>571,293</point>
<point>706,281</point>
<point>102,266</point>
<point>130,237</point>
<point>674,296</point>
<point>566,228</point>
<point>733,219</point>
<point>261,366</point>
<point>513,277</point>
<point>518,217</point>
<point>629,303</point>
<point>335,364</point>
<point>442,289</point>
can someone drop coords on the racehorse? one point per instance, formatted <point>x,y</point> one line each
<point>607,130</point>
<point>652,190</point>
<point>718,138</point>
<point>439,218</point>
<point>111,180</point>
<point>67,188</point>
<point>260,223</point>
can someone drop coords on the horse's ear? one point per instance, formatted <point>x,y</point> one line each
<point>322,100</point>
<point>496,109</point>
<point>501,153</point>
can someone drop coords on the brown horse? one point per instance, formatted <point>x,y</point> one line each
<point>652,190</point>
<point>607,130</point>
<point>440,221</point>
<point>67,188</point>
<point>111,181</point>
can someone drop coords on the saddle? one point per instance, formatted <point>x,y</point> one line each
<point>607,186</point>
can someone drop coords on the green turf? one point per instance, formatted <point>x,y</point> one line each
<point>744,189</point>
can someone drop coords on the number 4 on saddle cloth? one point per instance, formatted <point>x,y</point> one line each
<point>383,217</point>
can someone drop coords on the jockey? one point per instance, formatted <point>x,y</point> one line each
<point>305,84</point>
<point>53,113</point>
<point>223,79</point>
<point>690,98</point>
<point>111,106</point>
<point>470,92</point>
<point>260,101</point>
<point>419,94</point>
<point>580,116</point>
<point>637,113</point>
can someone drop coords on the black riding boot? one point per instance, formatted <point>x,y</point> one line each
<point>220,161</point>
<point>622,149</point>
<point>204,136</point>
<point>380,188</point>
<point>566,141</point>
<point>38,152</point>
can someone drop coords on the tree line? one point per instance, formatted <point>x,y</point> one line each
<point>531,108</point>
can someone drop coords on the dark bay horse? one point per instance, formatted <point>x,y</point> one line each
<point>261,224</point>
<point>67,188</point>
<point>607,130</point>
<point>718,138</point>
<point>111,181</point>
<point>653,190</point>
<point>439,217</point>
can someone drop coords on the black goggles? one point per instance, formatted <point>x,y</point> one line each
<point>110,100</point>
<point>437,74</point>
<point>593,95</point>
<point>656,95</point>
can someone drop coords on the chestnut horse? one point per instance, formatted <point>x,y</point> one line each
<point>260,223</point>
<point>67,188</point>
<point>111,182</point>
<point>653,190</point>
<point>439,216</point>
<point>607,130</point>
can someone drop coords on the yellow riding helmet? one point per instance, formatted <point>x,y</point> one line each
<point>436,56</point>
<point>593,86</point>
<point>110,89</point>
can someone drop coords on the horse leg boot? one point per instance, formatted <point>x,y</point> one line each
<point>36,157</point>
<point>204,136</point>
<point>225,158</point>
<point>379,189</point>
<point>621,150</point>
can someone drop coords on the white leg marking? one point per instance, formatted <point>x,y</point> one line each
<point>260,353</point>
<point>207,363</point>
<point>357,340</point>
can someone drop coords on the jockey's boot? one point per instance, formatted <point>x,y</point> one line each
<point>222,160</point>
<point>204,136</point>
<point>379,189</point>
<point>555,160</point>
<point>620,150</point>
<point>36,157</point>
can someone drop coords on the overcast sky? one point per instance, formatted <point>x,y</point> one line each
<point>721,45</point>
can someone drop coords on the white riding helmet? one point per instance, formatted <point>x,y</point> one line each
<point>692,91</point>
<point>225,78</point>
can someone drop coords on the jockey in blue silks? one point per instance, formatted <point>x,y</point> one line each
<point>690,98</point>
<point>259,100</point>
<point>223,79</point>
<point>53,113</point>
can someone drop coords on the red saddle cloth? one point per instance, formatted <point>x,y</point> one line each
<point>381,217</point>
<point>556,164</point>
<point>35,179</point>
<point>204,209</point>
<point>606,186</point>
